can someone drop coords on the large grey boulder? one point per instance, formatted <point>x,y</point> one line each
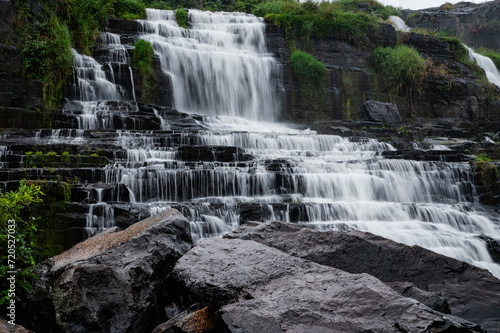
<point>261,289</point>
<point>438,281</point>
<point>380,112</point>
<point>110,282</point>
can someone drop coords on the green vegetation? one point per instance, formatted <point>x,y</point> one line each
<point>303,21</point>
<point>483,158</point>
<point>48,34</point>
<point>181,17</point>
<point>493,55</point>
<point>46,54</point>
<point>16,237</point>
<point>129,9</point>
<point>446,6</point>
<point>401,66</point>
<point>143,58</point>
<point>371,7</point>
<point>436,33</point>
<point>52,160</point>
<point>311,75</point>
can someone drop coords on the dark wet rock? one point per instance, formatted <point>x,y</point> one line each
<point>471,292</point>
<point>261,289</point>
<point>213,154</point>
<point>252,211</point>
<point>428,155</point>
<point>493,246</point>
<point>488,181</point>
<point>433,300</point>
<point>109,282</point>
<point>475,24</point>
<point>380,112</point>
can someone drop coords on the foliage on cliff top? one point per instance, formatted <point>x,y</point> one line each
<point>370,7</point>
<point>21,229</point>
<point>129,9</point>
<point>401,66</point>
<point>212,5</point>
<point>312,20</point>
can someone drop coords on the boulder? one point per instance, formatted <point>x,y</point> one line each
<point>193,320</point>
<point>380,112</point>
<point>261,289</point>
<point>5,327</point>
<point>470,292</point>
<point>110,282</point>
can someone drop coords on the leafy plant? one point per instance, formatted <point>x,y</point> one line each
<point>309,20</point>
<point>311,75</point>
<point>181,17</point>
<point>142,55</point>
<point>401,67</point>
<point>129,9</point>
<point>12,212</point>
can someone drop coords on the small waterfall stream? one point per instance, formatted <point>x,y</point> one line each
<point>237,162</point>
<point>489,67</point>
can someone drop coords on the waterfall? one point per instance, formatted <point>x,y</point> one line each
<point>226,161</point>
<point>399,23</point>
<point>220,66</point>
<point>489,67</point>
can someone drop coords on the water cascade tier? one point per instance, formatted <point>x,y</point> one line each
<point>220,160</point>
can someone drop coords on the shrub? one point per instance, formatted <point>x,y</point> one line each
<point>129,9</point>
<point>307,20</point>
<point>311,75</point>
<point>371,7</point>
<point>401,66</point>
<point>12,207</point>
<point>142,55</point>
<point>46,55</point>
<point>85,19</point>
<point>181,17</point>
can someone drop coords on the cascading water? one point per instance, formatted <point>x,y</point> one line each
<point>399,23</point>
<point>233,167</point>
<point>220,66</point>
<point>489,67</point>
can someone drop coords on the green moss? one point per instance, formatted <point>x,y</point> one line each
<point>51,160</point>
<point>311,75</point>
<point>142,56</point>
<point>181,17</point>
<point>483,158</point>
<point>401,66</point>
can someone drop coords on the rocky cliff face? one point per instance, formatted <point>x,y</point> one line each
<point>476,25</point>
<point>454,92</point>
<point>20,98</point>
